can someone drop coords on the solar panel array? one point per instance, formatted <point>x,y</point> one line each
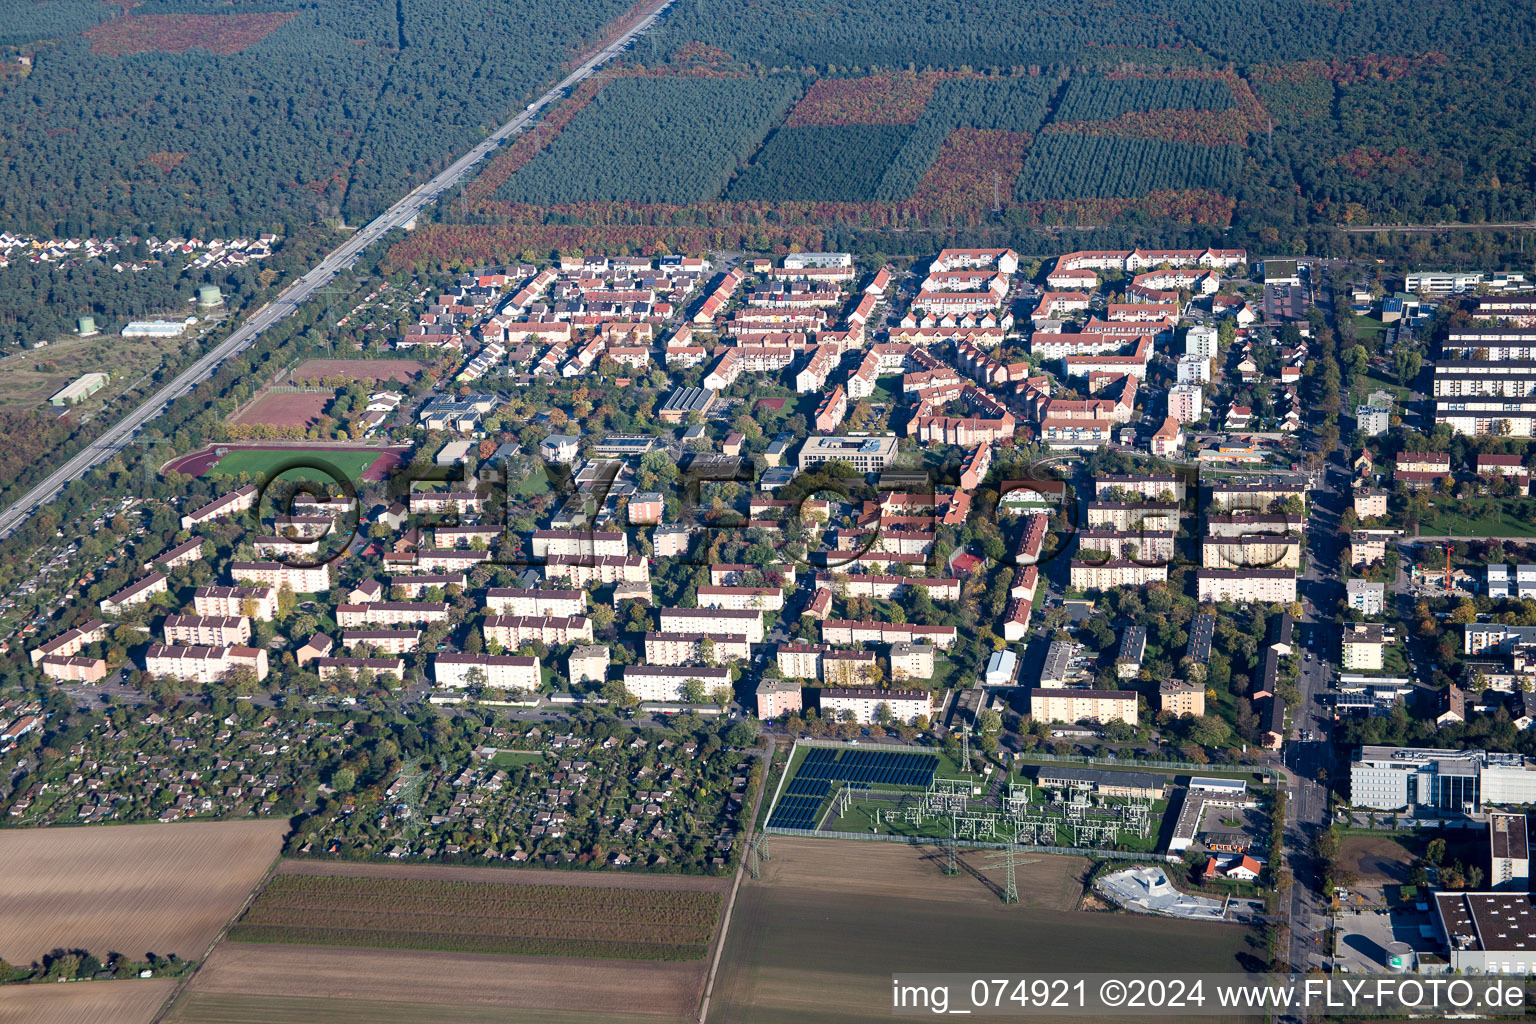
<point>801,803</point>
<point>871,767</point>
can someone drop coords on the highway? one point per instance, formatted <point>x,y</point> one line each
<point>121,433</point>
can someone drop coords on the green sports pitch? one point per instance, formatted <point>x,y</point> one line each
<point>261,462</point>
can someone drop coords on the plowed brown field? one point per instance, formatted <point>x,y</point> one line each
<point>131,889</point>
<point>262,979</point>
<point>120,1002</point>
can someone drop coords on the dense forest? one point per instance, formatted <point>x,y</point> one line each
<point>657,140</point>
<point>1097,98</point>
<point>991,34</point>
<point>830,164</point>
<point>334,114</point>
<point>1070,166</point>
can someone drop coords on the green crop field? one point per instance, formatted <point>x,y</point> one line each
<point>260,462</point>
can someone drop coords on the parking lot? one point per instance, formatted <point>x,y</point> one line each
<point>1364,936</point>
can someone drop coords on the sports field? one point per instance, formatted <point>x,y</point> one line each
<point>817,938</point>
<point>402,370</point>
<point>261,461</point>
<point>299,409</point>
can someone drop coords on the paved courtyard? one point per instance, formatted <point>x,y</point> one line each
<point>1148,891</point>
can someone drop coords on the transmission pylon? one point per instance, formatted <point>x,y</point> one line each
<point>1009,860</point>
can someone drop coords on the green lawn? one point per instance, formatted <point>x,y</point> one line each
<point>533,485</point>
<point>1373,381</point>
<point>1480,517</point>
<point>260,462</point>
<point>513,758</point>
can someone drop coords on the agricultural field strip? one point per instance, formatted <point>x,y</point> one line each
<point>636,924</point>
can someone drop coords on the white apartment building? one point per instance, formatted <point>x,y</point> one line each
<point>690,648</point>
<point>391,641</point>
<point>911,661</point>
<point>201,664</point>
<point>1201,342</point>
<point>712,620</point>
<point>1252,551</point>
<point>800,661</point>
<point>578,542</point>
<point>512,631</point>
<point>207,630</point>
<point>589,572</point>
<point>1194,370</point>
<point>854,632</point>
<point>510,601</point>
<point>1083,706</point>
<point>864,703</point>
<point>136,593</point>
<point>301,579</point>
<point>241,500</point>
<point>1128,517</point>
<point>1114,573</point>
<point>769,599</point>
<point>502,672</point>
<point>257,602</point>
<point>1366,597</point>
<point>1263,586</point>
<point>390,613</point>
<point>664,683</point>
<point>332,668</point>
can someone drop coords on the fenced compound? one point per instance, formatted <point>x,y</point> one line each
<point>834,786</point>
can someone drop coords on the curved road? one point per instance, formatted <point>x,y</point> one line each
<point>117,436</point>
